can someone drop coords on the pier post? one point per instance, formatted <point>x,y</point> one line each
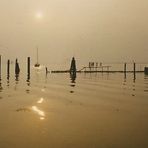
<point>73,66</point>
<point>134,70</point>
<point>17,69</point>
<point>146,70</point>
<point>46,70</point>
<point>28,65</point>
<point>134,67</point>
<point>0,67</point>
<point>28,70</point>
<point>8,69</point>
<point>124,67</point>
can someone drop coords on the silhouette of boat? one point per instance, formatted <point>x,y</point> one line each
<point>37,63</point>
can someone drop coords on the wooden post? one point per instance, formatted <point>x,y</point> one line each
<point>17,69</point>
<point>28,71</point>
<point>8,69</point>
<point>146,70</point>
<point>46,70</point>
<point>134,71</point>
<point>0,67</point>
<point>73,66</point>
<point>134,67</point>
<point>124,67</point>
<point>28,65</point>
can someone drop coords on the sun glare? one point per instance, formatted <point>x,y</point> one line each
<point>39,14</point>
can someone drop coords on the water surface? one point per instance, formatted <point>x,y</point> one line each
<point>87,111</point>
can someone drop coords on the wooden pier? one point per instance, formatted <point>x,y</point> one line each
<point>101,69</point>
<point>105,71</point>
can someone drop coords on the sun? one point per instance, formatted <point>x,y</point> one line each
<point>39,15</point>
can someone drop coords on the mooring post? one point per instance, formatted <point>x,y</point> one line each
<point>28,65</point>
<point>17,69</point>
<point>134,71</point>
<point>8,68</point>
<point>124,67</point>
<point>0,67</point>
<point>0,64</point>
<point>134,67</point>
<point>73,66</point>
<point>46,70</point>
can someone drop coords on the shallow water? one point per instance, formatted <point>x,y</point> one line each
<point>92,111</point>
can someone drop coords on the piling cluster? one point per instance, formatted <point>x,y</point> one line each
<point>17,68</point>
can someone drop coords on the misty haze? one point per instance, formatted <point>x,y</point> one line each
<point>73,74</point>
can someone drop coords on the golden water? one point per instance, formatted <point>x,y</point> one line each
<point>92,111</point>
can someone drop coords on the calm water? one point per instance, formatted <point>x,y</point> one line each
<point>92,111</point>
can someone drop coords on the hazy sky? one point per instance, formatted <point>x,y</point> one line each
<point>91,30</point>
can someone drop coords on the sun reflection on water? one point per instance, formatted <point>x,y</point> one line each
<point>40,101</point>
<point>39,112</point>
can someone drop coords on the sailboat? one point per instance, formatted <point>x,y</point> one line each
<point>37,63</point>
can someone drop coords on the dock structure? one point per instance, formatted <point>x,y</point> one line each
<point>95,69</point>
<point>103,69</point>
<point>73,69</point>
<point>146,70</point>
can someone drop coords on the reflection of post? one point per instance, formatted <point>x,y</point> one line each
<point>96,66</point>
<point>17,77</point>
<point>1,88</point>
<point>102,68</point>
<point>0,76</point>
<point>28,71</point>
<point>125,75</point>
<point>107,68</point>
<point>73,77</point>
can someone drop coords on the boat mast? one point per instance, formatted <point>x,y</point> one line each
<point>37,56</point>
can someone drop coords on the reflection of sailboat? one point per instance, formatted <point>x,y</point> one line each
<point>37,63</point>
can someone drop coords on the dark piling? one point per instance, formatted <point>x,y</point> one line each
<point>73,66</point>
<point>146,70</point>
<point>28,65</point>
<point>134,71</point>
<point>124,67</point>
<point>28,69</point>
<point>8,69</point>
<point>17,68</point>
<point>46,70</point>
<point>0,67</point>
